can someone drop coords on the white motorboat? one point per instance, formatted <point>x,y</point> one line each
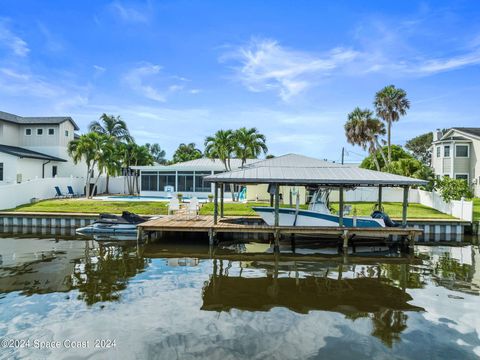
<point>319,215</point>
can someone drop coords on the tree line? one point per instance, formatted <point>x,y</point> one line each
<point>367,128</point>
<point>109,148</point>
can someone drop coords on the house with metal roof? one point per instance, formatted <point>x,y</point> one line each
<point>36,147</point>
<point>456,154</point>
<point>185,177</point>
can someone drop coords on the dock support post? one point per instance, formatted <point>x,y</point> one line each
<point>411,242</point>
<point>271,200</point>
<point>345,241</point>
<point>277,218</point>
<point>276,246</point>
<point>340,206</point>
<point>277,205</point>
<point>211,236</point>
<point>405,206</point>
<point>379,198</point>
<point>139,234</point>
<point>215,204</point>
<point>222,194</point>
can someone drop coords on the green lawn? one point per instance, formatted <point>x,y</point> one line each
<point>476,209</point>
<point>96,206</point>
<point>415,211</point>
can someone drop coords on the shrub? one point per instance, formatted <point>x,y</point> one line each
<point>453,189</point>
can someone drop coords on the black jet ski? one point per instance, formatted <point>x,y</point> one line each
<point>114,224</point>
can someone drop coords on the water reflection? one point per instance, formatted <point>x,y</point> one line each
<point>104,273</point>
<point>244,279</point>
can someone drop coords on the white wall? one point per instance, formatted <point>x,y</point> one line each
<point>9,168</point>
<point>12,195</point>
<point>9,134</point>
<point>369,194</point>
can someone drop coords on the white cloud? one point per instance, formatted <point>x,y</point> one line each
<point>266,65</point>
<point>129,13</point>
<point>147,80</point>
<point>447,64</point>
<point>98,70</point>
<point>137,78</point>
<point>8,39</point>
<point>25,83</point>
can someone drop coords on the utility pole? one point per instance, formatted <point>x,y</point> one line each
<point>343,154</point>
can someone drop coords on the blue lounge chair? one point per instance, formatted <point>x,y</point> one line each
<point>70,192</point>
<point>58,193</point>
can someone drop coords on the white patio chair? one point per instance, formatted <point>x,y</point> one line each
<point>192,208</point>
<point>173,205</point>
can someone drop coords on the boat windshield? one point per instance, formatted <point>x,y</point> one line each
<point>320,201</point>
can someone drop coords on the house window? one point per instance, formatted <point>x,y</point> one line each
<point>66,133</point>
<point>28,132</point>
<point>462,151</point>
<point>438,151</point>
<point>40,132</point>
<point>1,171</point>
<point>446,151</point>
<point>149,181</point>
<point>51,131</point>
<point>200,184</point>
<point>54,171</point>
<point>462,177</point>
<point>166,180</point>
<point>185,181</point>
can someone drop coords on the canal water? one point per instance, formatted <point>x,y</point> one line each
<point>64,297</point>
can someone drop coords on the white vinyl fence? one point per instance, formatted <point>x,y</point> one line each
<point>12,195</point>
<point>459,209</point>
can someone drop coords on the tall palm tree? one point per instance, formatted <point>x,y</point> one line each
<point>186,152</point>
<point>90,148</point>
<point>249,144</point>
<point>157,152</point>
<point>116,130</point>
<point>112,126</point>
<point>134,155</point>
<point>390,104</point>
<point>364,130</point>
<point>221,146</point>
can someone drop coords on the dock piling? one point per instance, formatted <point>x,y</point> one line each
<point>345,241</point>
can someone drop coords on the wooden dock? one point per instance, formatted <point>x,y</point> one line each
<point>205,224</point>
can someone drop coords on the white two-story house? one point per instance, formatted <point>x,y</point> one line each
<point>36,147</point>
<point>456,154</point>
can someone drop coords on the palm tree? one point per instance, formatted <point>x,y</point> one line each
<point>186,152</point>
<point>221,146</point>
<point>249,144</point>
<point>115,129</point>
<point>390,104</point>
<point>134,155</point>
<point>363,130</point>
<point>157,153</point>
<point>88,147</point>
<point>112,126</point>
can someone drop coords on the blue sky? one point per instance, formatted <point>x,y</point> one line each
<point>177,71</point>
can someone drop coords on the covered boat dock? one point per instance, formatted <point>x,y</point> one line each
<point>293,170</point>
